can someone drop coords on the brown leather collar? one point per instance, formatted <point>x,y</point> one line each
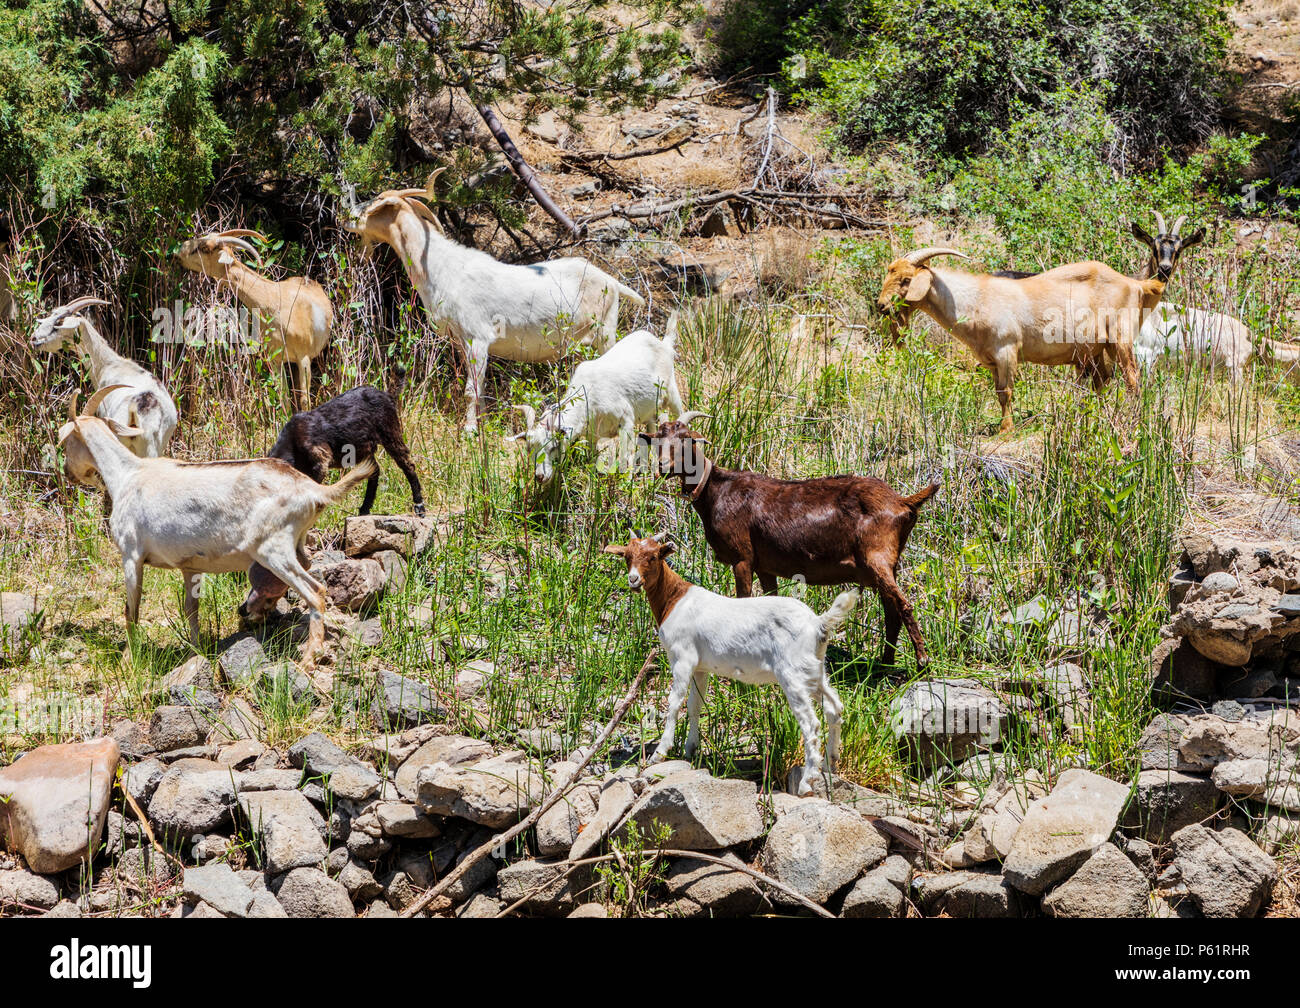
<point>694,495</point>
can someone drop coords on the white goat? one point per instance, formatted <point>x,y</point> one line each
<point>1223,339</point>
<point>138,400</point>
<point>608,397</point>
<point>520,313</point>
<point>761,640</point>
<point>202,517</point>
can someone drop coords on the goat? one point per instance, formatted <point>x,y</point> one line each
<point>137,400</point>
<point>1225,340</point>
<point>1075,314</point>
<point>339,433</point>
<point>752,640</point>
<point>297,311</point>
<point>202,517</point>
<point>607,397</point>
<point>520,313</point>
<point>827,531</point>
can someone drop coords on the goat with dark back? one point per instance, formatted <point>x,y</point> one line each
<point>827,531</point>
<point>344,431</point>
<point>337,434</point>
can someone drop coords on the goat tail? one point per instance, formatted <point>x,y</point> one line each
<point>833,618</point>
<point>670,332</point>
<point>335,492</point>
<point>395,378</point>
<point>921,496</point>
<point>625,291</point>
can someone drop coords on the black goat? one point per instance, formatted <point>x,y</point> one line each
<point>344,432</point>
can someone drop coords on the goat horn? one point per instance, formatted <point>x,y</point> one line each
<point>433,177</point>
<point>239,243</point>
<point>1178,226</point>
<point>93,403</point>
<point>922,256</point>
<point>530,415</point>
<point>241,233</point>
<point>694,414</point>
<point>1160,223</point>
<point>72,405</point>
<point>73,306</point>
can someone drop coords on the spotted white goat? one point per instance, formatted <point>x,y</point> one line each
<point>1174,331</point>
<point>610,396</point>
<point>137,401</point>
<point>202,517</point>
<point>762,640</point>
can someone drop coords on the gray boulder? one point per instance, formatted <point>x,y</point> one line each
<point>541,885</point>
<point>1167,800</point>
<point>1223,872</point>
<point>309,892</point>
<point>21,890</point>
<point>945,721</point>
<point>881,892</point>
<point>1108,885</point>
<point>699,811</point>
<point>966,894</point>
<point>291,830</point>
<point>494,792</point>
<point>706,889</point>
<point>817,848</point>
<point>219,887</point>
<point>453,750</point>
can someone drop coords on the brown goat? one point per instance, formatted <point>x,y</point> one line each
<point>828,531</point>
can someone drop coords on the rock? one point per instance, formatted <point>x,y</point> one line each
<point>236,721</point>
<point>24,890</point>
<point>240,754</point>
<point>359,881</point>
<point>541,885</point>
<point>1061,831</point>
<point>495,792</point>
<point>1277,831</point>
<point>706,889</point>
<point>219,887</point>
<point>266,907</point>
<point>351,585</point>
<point>1261,779</point>
<point>1167,800</point>
<point>18,618</point>
<point>966,894</point>
<point>194,796</point>
<point>1108,885</point>
<point>558,828</point>
<point>188,681</point>
<point>1141,853</point>
<point>309,892</point>
<point>481,906</point>
<point>991,835</point>
<point>940,721</point>
<point>54,800</point>
<point>453,750</point>
<point>141,780</point>
<point>1209,739</point>
<point>1159,744</point>
<point>1067,687</point>
<point>143,867</point>
<point>402,819</point>
<point>1179,670</point>
<point>394,581</point>
<point>881,892</point>
<point>590,910</point>
<point>285,679</point>
<point>242,660</point>
<point>65,910</point>
<point>179,727</point>
<point>617,795</point>
<point>405,701</point>
<point>1223,873</point>
<point>347,776</point>
<point>291,830</point>
<point>406,535</point>
<point>700,812</point>
<point>817,848</point>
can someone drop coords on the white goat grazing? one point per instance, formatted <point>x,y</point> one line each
<point>138,400</point>
<point>1225,340</point>
<point>761,640</point>
<point>520,313</point>
<point>202,517</point>
<point>608,397</point>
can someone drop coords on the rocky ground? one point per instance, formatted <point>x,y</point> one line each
<point>194,814</point>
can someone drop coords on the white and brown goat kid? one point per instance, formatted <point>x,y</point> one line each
<point>202,517</point>
<point>752,640</point>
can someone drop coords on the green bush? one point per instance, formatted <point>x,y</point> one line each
<point>947,75</point>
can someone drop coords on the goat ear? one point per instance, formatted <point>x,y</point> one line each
<point>644,437</point>
<point>1193,239</point>
<point>697,437</point>
<point>667,549</point>
<point>1142,236</point>
<point>121,430</point>
<point>919,286</point>
<point>616,550</point>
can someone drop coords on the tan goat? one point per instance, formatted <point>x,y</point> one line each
<point>296,312</point>
<point>1081,314</point>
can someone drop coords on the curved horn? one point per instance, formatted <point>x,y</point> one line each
<point>93,403</point>
<point>694,414</point>
<point>72,405</point>
<point>241,233</point>
<point>922,256</point>
<point>433,177</point>
<point>74,306</point>
<point>1160,223</point>
<point>1178,225</point>
<point>239,243</point>
<point>530,415</point>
